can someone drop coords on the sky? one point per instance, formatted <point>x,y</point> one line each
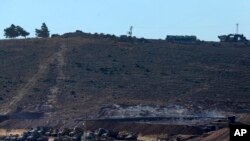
<point>150,18</point>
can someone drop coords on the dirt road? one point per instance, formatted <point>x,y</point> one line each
<point>55,90</point>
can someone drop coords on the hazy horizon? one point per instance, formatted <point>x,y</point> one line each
<point>150,19</point>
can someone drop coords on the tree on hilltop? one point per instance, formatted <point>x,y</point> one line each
<point>22,32</point>
<point>15,31</point>
<point>11,32</point>
<point>43,32</point>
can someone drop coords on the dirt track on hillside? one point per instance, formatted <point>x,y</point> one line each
<point>55,90</point>
<point>57,58</point>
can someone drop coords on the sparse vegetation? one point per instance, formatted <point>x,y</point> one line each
<point>103,72</point>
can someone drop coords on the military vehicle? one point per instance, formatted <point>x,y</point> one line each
<point>233,38</point>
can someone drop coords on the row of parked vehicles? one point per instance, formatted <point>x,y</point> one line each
<point>75,134</point>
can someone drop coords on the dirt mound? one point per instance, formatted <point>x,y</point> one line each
<point>220,135</point>
<point>244,118</point>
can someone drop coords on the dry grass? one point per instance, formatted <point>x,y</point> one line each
<point>103,72</point>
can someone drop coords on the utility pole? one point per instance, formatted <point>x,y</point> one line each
<point>130,32</point>
<point>237,28</point>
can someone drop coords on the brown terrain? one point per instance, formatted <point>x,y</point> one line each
<point>61,81</point>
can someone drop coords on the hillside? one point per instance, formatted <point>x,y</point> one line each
<point>56,81</point>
